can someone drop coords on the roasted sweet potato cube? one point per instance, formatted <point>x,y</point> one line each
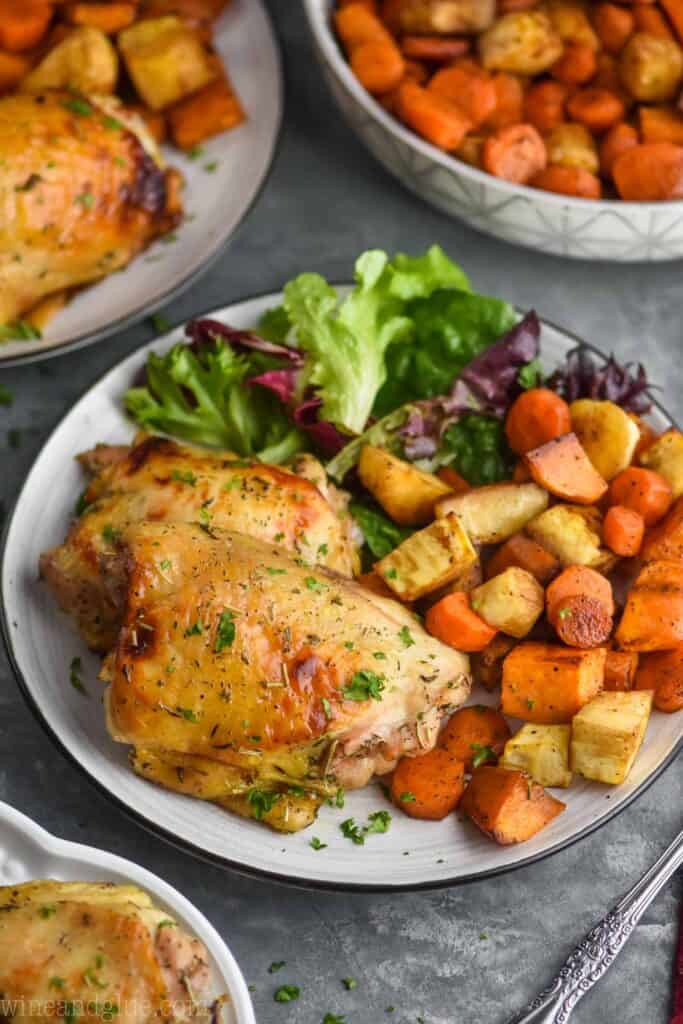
<point>662,672</point>
<point>487,665</point>
<point>13,67</point>
<point>524,553</point>
<point>548,684</point>
<point>215,108</point>
<point>653,616</point>
<point>607,734</point>
<point>564,469</point>
<point>620,670</point>
<point>665,540</point>
<point>508,805</point>
<point>406,493</point>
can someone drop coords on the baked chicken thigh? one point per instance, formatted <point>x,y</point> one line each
<point>103,948</point>
<point>81,193</point>
<point>245,677</point>
<point>158,479</point>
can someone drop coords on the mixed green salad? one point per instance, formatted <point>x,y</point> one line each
<point>411,358</point>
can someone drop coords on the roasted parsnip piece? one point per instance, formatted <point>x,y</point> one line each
<point>665,456</point>
<point>405,493</point>
<point>607,434</point>
<point>493,513</point>
<point>513,601</point>
<point>607,734</point>
<point>429,559</point>
<point>543,752</point>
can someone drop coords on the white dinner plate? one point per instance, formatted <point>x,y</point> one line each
<point>27,851</point>
<point>41,643</point>
<point>215,199</point>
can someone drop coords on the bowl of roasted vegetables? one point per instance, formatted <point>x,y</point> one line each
<point>379,586</point>
<point>126,139</point>
<point>554,124</point>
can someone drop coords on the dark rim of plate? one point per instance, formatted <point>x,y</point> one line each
<point>89,338</point>
<point>245,869</point>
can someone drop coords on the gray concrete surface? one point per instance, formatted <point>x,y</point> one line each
<point>422,954</point>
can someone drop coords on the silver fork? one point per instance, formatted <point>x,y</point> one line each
<point>600,948</point>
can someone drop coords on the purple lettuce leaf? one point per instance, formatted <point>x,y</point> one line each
<point>582,377</point>
<point>205,331</point>
<point>281,382</point>
<point>324,434</point>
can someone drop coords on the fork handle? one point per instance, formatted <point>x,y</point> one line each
<point>600,948</point>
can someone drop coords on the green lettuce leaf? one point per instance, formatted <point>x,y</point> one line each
<point>380,533</point>
<point>347,342</point>
<point>476,447</point>
<point>201,397</point>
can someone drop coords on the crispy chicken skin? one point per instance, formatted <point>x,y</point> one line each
<point>161,480</point>
<point>80,196</point>
<point>103,948</point>
<point>238,667</point>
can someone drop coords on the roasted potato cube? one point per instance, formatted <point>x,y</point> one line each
<point>607,734</point>
<point>548,684</point>
<point>493,513</point>
<point>445,17</point>
<point>406,493</point>
<point>487,665</point>
<point>165,60</point>
<point>429,559</point>
<point>513,601</point>
<point>508,805</point>
<point>572,145</point>
<point>84,61</point>
<point>571,23</point>
<point>651,68</point>
<point>607,434</point>
<point>665,456</point>
<point>543,752</point>
<point>565,532</point>
<point>524,42</point>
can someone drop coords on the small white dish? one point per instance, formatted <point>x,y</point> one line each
<point>583,229</point>
<point>41,642</point>
<point>215,200</point>
<point>27,851</point>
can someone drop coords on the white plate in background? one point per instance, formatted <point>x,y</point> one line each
<point>28,852</point>
<point>41,642</point>
<point>215,202</point>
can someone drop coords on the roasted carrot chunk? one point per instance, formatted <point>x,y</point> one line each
<point>211,110</point>
<point>472,91</point>
<point>516,153</point>
<point>665,541</point>
<point>564,469</point>
<point>107,17</point>
<point>623,530</point>
<point>662,672</point>
<point>509,107</point>
<point>650,171</point>
<point>580,607</point>
<point>576,65</point>
<point>568,181</point>
<point>457,483</point>
<point>434,48</point>
<point>544,105</point>
<point>537,416</point>
<point>526,554</point>
<point>617,140</point>
<point>23,25</point>
<point>378,66</point>
<point>642,490</point>
<point>620,670</point>
<point>649,19</point>
<point>436,119</point>
<point>475,735</point>
<point>614,24</point>
<point>674,9</point>
<point>598,109</point>
<point>549,684</point>
<point>653,616</point>
<point>452,620</point>
<point>659,124</point>
<point>430,786</point>
<point>507,805</point>
<point>13,67</point>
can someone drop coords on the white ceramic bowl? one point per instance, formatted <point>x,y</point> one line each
<point>580,228</point>
<point>27,851</point>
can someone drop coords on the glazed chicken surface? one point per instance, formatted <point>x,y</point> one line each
<point>80,195</point>
<point>98,945</point>
<point>160,480</point>
<point>238,668</point>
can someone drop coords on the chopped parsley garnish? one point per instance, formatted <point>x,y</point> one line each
<point>75,669</point>
<point>195,152</point>
<point>481,754</point>
<point>205,518</point>
<point>378,821</point>
<point>564,613</point>
<point>109,534</point>
<point>262,801</point>
<point>47,910</point>
<point>6,396</point>
<point>349,984</point>
<point>276,965</point>
<point>483,936</point>
<point>57,982</point>
<point>313,584</point>
<point>407,797</point>
<point>112,124</point>
<point>333,1018</point>
<point>184,477</point>
<point>211,166</point>
<point>165,564</point>
<point>160,324</point>
<point>339,799</point>
<point>195,630</point>
<point>188,714</point>
<point>364,685</point>
<point>225,634</point>
<point>322,550</point>
<point>78,106</point>
<point>19,330</point>
<point>287,993</point>
<point>530,375</point>
<point>406,637</point>
<point>530,703</point>
<point>166,923</point>
<point>86,199</point>
<point>92,979</point>
<point>272,571</point>
<point>317,845</point>
<point>391,574</point>
<point>327,708</point>
<point>379,655</point>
